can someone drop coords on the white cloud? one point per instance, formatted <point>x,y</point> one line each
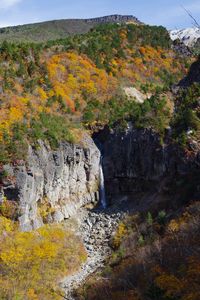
<point>4,4</point>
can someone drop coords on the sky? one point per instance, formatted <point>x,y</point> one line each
<point>169,13</point>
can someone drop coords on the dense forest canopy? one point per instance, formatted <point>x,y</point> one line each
<point>56,89</point>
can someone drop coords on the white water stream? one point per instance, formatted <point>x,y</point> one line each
<point>102,187</point>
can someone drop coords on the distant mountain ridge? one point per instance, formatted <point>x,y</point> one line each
<point>189,36</point>
<point>114,19</point>
<point>58,29</point>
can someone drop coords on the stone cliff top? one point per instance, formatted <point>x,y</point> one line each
<point>114,19</point>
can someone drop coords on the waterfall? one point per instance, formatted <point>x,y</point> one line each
<point>102,186</point>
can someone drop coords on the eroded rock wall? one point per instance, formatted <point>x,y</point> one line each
<point>137,159</point>
<point>54,184</point>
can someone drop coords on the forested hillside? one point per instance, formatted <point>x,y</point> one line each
<point>54,90</point>
<point>51,30</point>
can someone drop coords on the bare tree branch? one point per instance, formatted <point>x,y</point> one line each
<point>195,23</point>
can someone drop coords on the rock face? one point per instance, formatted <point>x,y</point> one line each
<point>114,19</point>
<point>193,75</point>
<point>54,184</point>
<point>183,50</point>
<point>134,160</point>
<point>134,94</point>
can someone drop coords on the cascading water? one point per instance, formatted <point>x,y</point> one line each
<point>102,186</point>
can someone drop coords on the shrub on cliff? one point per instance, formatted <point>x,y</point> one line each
<point>153,113</point>
<point>187,114</point>
<point>9,209</point>
<point>51,128</point>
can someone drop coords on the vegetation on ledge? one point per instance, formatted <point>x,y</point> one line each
<point>186,120</point>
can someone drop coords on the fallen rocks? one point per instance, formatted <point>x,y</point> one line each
<point>96,229</point>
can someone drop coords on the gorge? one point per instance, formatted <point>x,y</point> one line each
<point>140,175</point>
<point>70,177</point>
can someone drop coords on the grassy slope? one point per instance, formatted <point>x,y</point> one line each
<point>45,31</point>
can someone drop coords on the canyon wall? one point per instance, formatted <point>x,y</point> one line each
<point>52,185</point>
<point>137,160</point>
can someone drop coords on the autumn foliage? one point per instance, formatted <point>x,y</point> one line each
<point>72,80</point>
<point>76,78</point>
<point>165,266</point>
<point>32,263</point>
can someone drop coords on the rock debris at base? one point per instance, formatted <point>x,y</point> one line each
<point>96,230</point>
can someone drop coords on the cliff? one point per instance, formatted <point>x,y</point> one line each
<point>136,160</point>
<point>114,19</point>
<point>193,75</point>
<point>52,185</point>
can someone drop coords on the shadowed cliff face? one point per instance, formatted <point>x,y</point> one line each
<point>193,75</point>
<point>135,160</point>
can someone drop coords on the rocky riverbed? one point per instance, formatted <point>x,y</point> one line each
<point>96,229</point>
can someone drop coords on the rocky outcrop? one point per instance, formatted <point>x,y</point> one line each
<point>52,185</point>
<point>193,75</point>
<point>136,159</point>
<point>96,229</point>
<point>114,19</point>
<point>180,48</point>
